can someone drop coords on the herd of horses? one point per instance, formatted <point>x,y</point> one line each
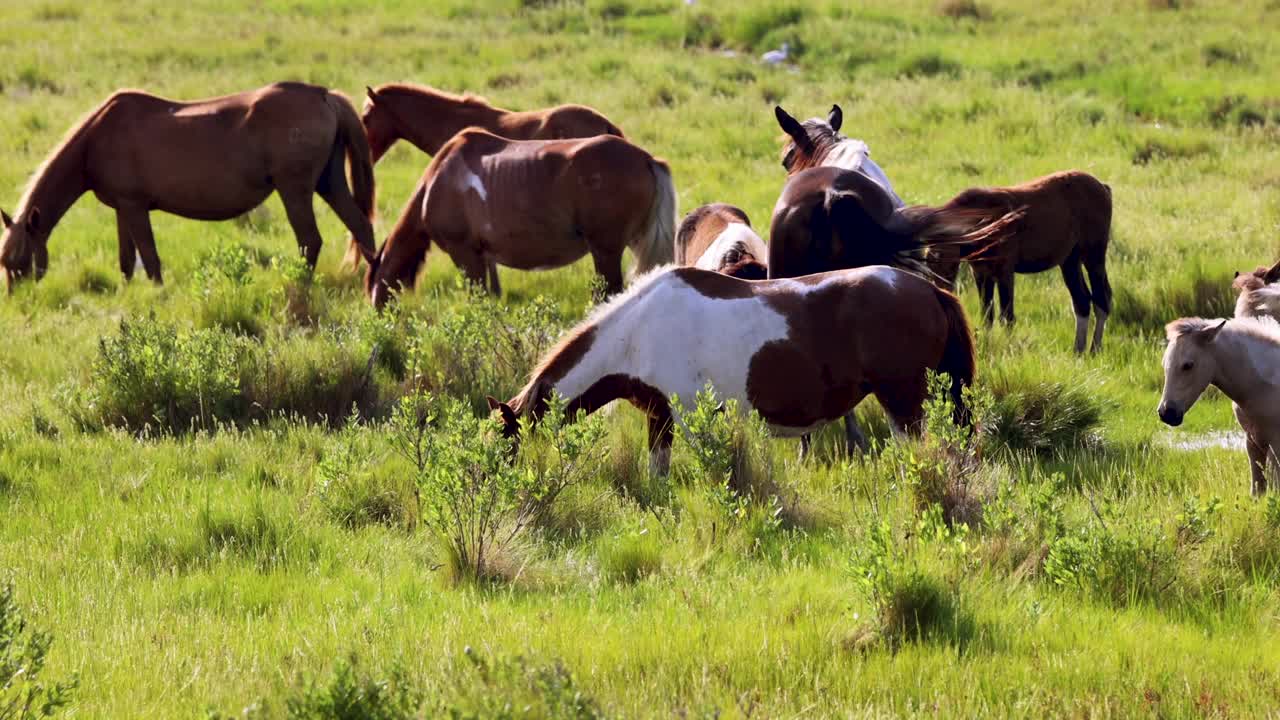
<point>851,296</point>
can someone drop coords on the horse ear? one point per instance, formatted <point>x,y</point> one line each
<point>33,220</point>
<point>835,118</point>
<point>1272,274</point>
<point>373,95</point>
<point>8,221</point>
<point>790,125</point>
<point>493,402</point>
<point>1208,334</point>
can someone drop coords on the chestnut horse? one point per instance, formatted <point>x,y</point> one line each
<point>801,352</point>
<point>532,204</point>
<point>1067,224</point>
<point>719,237</point>
<point>428,117</point>
<point>208,160</point>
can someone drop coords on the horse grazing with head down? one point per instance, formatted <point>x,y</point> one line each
<point>838,210</point>
<point>719,237</point>
<point>207,160</point>
<point>428,117</point>
<point>1241,357</point>
<point>800,352</point>
<point>1066,224</point>
<point>532,204</point>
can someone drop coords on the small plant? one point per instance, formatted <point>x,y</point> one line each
<point>1046,418</point>
<point>349,491</point>
<point>1132,561</point>
<point>477,494</point>
<point>1197,519</point>
<point>24,694</point>
<point>354,693</point>
<point>539,691</point>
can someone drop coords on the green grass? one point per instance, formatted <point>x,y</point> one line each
<point>239,554</point>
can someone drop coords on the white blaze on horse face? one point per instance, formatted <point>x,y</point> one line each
<point>673,338</point>
<point>734,234</point>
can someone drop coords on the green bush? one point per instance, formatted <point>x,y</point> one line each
<point>352,493</point>
<point>24,694</point>
<point>1043,417</point>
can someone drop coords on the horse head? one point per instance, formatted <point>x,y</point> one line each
<point>809,140</point>
<point>23,246</point>
<point>1188,366</point>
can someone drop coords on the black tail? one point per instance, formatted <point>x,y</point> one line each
<point>958,354</point>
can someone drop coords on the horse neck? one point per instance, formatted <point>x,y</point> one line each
<point>57,184</point>
<point>1237,356</point>
<point>850,154</point>
<point>445,116</point>
<point>401,255</point>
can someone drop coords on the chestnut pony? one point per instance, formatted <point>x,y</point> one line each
<point>1067,224</point>
<point>719,237</point>
<point>207,160</point>
<point>801,352</point>
<point>428,117</point>
<point>532,204</point>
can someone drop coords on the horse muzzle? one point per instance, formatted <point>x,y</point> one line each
<point>1170,416</point>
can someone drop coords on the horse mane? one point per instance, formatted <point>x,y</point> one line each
<point>75,133</point>
<point>469,99</point>
<point>747,268</point>
<point>1186,325</point>
<point>822,139</point>
<point>1264,328</point>
<point>580,333</point>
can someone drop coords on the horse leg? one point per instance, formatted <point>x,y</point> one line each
<point>128,255</point>
<point>1074,278</point>
<point>337,195</point>
<point>494,286</point>
<point>302,217</point>
<point>134,227</point>
<point>855,441</point>
<point>609,266</point>
<point>469,260</point>
<point>986,290</point>
<point>903,400</point>
<point>1097,269</point>
<point>1004,285</point>
<point>1258,457</point>
<point>660,436</point>
<point>805,444</point>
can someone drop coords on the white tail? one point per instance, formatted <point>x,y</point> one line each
<point>657,244</point>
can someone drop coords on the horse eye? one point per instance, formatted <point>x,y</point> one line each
<point>1186,366</point>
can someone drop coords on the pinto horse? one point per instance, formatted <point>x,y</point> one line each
<point>1066,224</point>
<point>532,204</point>
<point>207,160</point>
<point>719,237</point>
<point>801,352</point>
<point>428,117</point>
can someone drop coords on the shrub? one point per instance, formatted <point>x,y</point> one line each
<point>321,378</point>
<point>961,9</point>
<point>1133,561</point>
<point>485,346</point>
<point>153,377</point>
<point>24,694</point>
<point>1043,417</point>
<point>354,693</point>
<point>929,65</point>
<point>352,494</point>
<point>547,690</point>
<point>631,556</point>
<point>221,280</point>
<point>478,495</point>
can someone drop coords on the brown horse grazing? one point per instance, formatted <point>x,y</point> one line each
<point>208,160</point>
<point>800,352</point>
<point>532,204</point>
<point>1067,224</point>
<point>428,118</point>
<point>719,237</point>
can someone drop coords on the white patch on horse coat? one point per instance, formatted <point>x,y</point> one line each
<point>673,338</point>
<point>736,234</point>
<point>472,181</point>
<point>851,154</point>
<point>137,261</point>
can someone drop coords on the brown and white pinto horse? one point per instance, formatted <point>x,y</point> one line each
<point>428,117</point>
<point>801,352</point>
<point>837,210</point>
<point>532,204</point>
<point>1066,224</point>
<point>208,160</point>
<point>719,237</point>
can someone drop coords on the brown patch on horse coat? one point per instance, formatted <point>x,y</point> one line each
<point>702,226</point>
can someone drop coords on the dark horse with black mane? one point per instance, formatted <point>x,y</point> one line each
<point>837,210</point>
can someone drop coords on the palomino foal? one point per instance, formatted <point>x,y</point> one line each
<point>718,237</point>
<point>801,352</point>
<point>1241,357</point>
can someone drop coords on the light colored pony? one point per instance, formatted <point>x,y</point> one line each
<point>1241,357</point>
<point>818,143</point>
<point>718,237</point>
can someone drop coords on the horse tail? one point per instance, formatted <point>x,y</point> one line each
<point>352,135</point>
<point>657,243</point>
<point>972,234</point>
<point>957,354</point>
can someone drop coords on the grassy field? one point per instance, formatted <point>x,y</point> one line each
<point>185,511</point>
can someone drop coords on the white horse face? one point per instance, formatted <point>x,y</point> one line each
<point>1189,367</point>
